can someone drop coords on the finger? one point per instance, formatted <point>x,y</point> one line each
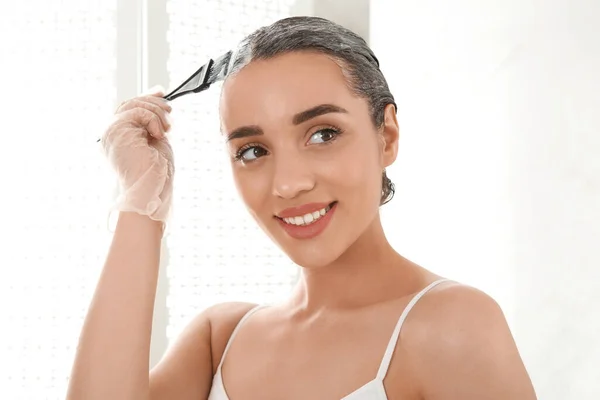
<point>159,101</point>
<point>150,121</point>
<point>146,119</point>
<point>140,103</point>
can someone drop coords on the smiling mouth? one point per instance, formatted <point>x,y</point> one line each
<point>309,218</point>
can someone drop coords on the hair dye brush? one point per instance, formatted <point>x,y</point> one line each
<point>211,72</point>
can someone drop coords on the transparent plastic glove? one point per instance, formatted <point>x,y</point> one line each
<point>139,151</point>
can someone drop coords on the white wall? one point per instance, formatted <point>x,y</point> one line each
<point>499,170</point>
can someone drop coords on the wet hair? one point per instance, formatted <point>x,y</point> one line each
<point>358,63</point>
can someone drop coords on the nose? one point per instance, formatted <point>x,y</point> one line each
<point>292,176</point>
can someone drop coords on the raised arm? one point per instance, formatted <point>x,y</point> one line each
<point>112,357</point>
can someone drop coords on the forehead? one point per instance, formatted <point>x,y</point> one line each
<point>275,89</point>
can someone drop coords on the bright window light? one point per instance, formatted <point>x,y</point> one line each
<point>58,75</point>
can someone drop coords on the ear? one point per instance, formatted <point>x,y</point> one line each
<point>390,134</point>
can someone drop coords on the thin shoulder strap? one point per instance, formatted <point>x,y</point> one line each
<point>235,331</point>
<point>389,351</point>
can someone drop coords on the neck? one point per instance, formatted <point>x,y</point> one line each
<point>370,271</point>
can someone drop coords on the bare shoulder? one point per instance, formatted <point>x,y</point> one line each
<point>187,368</point>
<point>455,304</point>
<point>223,319</point>
<point>462,347</point>
<point>448,315</point>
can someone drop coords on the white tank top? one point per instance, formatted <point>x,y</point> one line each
<point>372,390</point>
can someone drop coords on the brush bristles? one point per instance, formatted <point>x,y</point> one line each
<point>220,68</point>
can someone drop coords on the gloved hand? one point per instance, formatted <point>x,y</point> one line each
<point>139,151</point>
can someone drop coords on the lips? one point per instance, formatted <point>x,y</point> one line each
<point>306,230</point>
<point>302,210</point>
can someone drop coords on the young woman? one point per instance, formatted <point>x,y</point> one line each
<point>310,126</point>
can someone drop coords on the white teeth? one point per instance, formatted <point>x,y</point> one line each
<point>307,219</point>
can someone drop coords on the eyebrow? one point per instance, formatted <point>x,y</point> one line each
<point>254,130</point>
<point>245,131</point>
<point>315,112</point>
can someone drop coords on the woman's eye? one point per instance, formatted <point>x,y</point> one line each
<point>322,136</point>
<point>251,153</point>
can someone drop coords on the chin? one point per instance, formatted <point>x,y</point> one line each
<point>317,252</point>
<point>312,257</point>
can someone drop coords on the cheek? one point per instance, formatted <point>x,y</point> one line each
<point>357,168</point>
<point>253,187</point>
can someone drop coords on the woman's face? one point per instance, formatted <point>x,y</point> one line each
<point>306,157</point>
